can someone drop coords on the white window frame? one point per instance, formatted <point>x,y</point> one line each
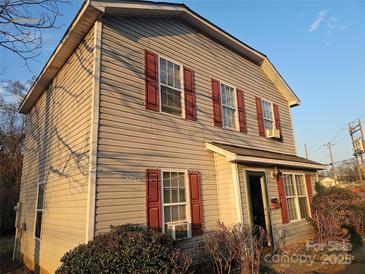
<point>187,203</point>
<point>296,196</point>
<point>39,210</point>
<point>272,113</point>
<point>182,97</point>
<point>236,122</point>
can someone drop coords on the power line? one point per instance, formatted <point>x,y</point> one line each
<point>338,133</point>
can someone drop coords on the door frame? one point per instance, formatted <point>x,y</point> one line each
<point>265,199</point>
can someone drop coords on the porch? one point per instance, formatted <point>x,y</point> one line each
<point>265,188</point>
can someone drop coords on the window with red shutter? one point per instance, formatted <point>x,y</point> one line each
<point>167,202</point>
<point>241,110</point>
<point>260,117</point>
<point>195,204</point>
<point>151,81</point>
<point>153,199</point>
<point>217,107</point>
<point>189,92</point>
<point>297,196</point>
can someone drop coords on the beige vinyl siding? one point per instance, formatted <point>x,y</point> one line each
<point>57,152</point>
<point>132,139</point>
<point>225,191</point>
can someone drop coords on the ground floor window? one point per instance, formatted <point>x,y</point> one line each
<point>296,196</point>
<point>39,210</point>
<point>175,205</point>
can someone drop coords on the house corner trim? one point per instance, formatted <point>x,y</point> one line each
<point>95,109</point>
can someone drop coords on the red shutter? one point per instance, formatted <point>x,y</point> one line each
<point>241,111</point>
<point>277,117</point>
<point>195,204</point>
<point>151,81</point>
<point>189,89</point>
<point>309,189</point>
<point>282,198</point>
<point>216,97</point>
<point>153,201</point>
<point>260,117</point>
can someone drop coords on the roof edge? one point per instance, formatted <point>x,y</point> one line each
<point>233,157</point>
<point>91,10</point>
<point>41,84</point>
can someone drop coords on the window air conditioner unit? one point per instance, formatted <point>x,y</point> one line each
<point>178,231</point>
<point>273,133</point>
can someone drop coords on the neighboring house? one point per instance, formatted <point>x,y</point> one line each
<point>330,182</point>
<point>148,113</point>
<point>327,182</point>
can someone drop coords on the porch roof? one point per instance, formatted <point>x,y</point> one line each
<point>240,154</point>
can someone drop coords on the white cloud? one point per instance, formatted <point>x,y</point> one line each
<point>331,25</point>
<point>321,15</point>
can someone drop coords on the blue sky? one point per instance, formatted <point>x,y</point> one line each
<point>318,47</point>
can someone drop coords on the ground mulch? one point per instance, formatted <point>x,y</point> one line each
<point>6,252</point>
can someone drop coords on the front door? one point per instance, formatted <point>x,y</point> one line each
<point>260,214</point>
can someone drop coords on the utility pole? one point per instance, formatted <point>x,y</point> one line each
<point>358,145</point>
<point>332,170</point>
<point>306,151</point>
<point>329,146</point>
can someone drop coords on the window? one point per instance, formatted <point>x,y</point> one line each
<point>39,210</point>
<point>175,204</point>
<point>296,197</point>
<point>170,87</point>
<point>268,115</point>
<point>228,106</point>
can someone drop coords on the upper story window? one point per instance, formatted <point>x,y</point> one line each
<point>268,114</point>
<point>296,197</point>
<point>170,87</point>
<point>228,106</point>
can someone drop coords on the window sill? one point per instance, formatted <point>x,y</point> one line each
<point>278,140</point>
<point>230,129</point>
<point>173,115</point>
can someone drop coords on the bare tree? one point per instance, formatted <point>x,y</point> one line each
<point>22,22</point>
<point>11,151</point>
<point>347,171</point>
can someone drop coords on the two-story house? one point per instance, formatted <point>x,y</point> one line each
<point>148,113</point>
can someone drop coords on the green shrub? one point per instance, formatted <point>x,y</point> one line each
<point>337,211</point>
<point>126,249</point>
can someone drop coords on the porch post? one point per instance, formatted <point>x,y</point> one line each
<point>237,192</point>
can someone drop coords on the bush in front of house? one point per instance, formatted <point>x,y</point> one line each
<point>336,212</point>
<point>237,249</point>
<point>126,249</point>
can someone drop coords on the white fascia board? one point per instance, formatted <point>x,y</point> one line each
<point>278,162</point>
<point>230,157</point>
